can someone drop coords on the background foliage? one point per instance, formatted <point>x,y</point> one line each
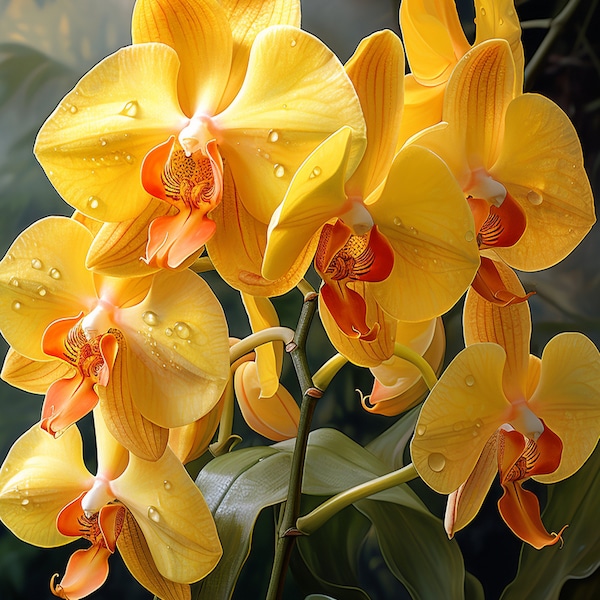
<point>46,45</point>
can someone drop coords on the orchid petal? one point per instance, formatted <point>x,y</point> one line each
<point>275,417</point>
<point>93,144</point>
<point>435,252</point>
<point>37,281</point>
<point>41,475</point>
<point>201,36</point>
<point>567,399</point>
<point>238,247</point>
<point>433,38</point>
<point>315,196</point>
<point>541,164</point>
<point>86,571</point>
<point>166,335</point>
<point>284,109</point>
<point>247,19</point>
<point>33,375</point>
<point>463,411</point>
<point>508,326</point>
<point>464,504</point>
<point>118,248</point>
<point>172,515</point>
<point>376,70</point>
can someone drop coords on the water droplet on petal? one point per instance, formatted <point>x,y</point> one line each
<point>150,318</point>
<point>501,21</point>
<point>470,380</point>
<point>279,170</point>
<point>315,172</point>
<point>93,202</point>
<point>397,221</point>
<point>436,462</point>
<point>130,109</point>
<point>469,236</point>
<point>167,485</point>
<point>16,306</point>
<point>36,263</point>
<point>14,282</point>
<point>182,330</point>
<point>482,11</point>
<point>421,429</point>
<point>54,273</point>
<point>42,291</point>
<point>73,109</point>
<point>153,514</point>
<point>293,43</point>
<point>168,332</point>
<point>25,502</point>
<point>129,159</point>
<point>273,136</point>
<point>534,197</point>
<point>103,142</point>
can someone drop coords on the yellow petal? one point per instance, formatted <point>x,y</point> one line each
<point>433,38</point>
<point>357,351</point>
<point>262,314</point>
<point>377,72</point>
<point>247,18</point>
<point>295,94</point>
<point>462,412</point>
<point>40,282</point>
<point>92,146</point>
<point>238,246</point>
<point>508,326</point>
<point>32,375</point>
<point>275,417</point>
<point>464,504</point>
<point>316,195</point>
<point>136,555</point>
<point>173,379</point>
<point>173,516</point>
<point>200,34</point>
<point>40,476</point>
<point>567,399</point>
<point>118,248</point>
<point>423,214</point>
<point>541,164</point>
<point>498,19</point>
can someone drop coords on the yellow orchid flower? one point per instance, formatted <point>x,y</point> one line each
<point>398,384</point>
<point>151,511</point>
<point>138,344</point>
<point>398,222</point>
<point>243,96</point>
<point>518,161</point>
<point>435,42</point>
<point>266,405</point>
<point>496,409</point>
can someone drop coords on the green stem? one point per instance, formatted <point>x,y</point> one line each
<point>416,359</point>
<point>286,533</point>
<point>314,519</point>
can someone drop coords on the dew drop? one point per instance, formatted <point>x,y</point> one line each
<point>167,485</point>
<point>436,462</point>
<point>42,291</point>
<point>284,106</point>
<point>168,332</point>
<point>153,514</point>
<point>534,197</point>
<point>36,263</point>
<point>130,109</point>
<point>103,142</point>
<point>469,236</point>
<point>54,273</point>
<point>482,11</point>
<point>25,502</point>
<point>14,282</point>
<point>279,170</point>
<point>16,306</point>
<point>73,109</point>
<point>273,136</point>
<point>501,21</point>
<point>470,380</point>
<point>315,172</point>
<point>413,230</point>
<point>182,330</point>
<point>93,202</point>
<point>421,429</point>
<point>129,159</point>
<point>150,318</point>
<point>293,43</point>
<point>397,221</point>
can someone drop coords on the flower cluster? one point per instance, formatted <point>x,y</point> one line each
<point>227,137</point>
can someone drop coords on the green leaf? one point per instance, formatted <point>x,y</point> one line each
<point>542,573</point>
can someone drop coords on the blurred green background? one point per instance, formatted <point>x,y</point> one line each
<point>46,45</point>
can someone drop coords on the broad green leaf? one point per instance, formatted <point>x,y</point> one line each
<point>574,501</point>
